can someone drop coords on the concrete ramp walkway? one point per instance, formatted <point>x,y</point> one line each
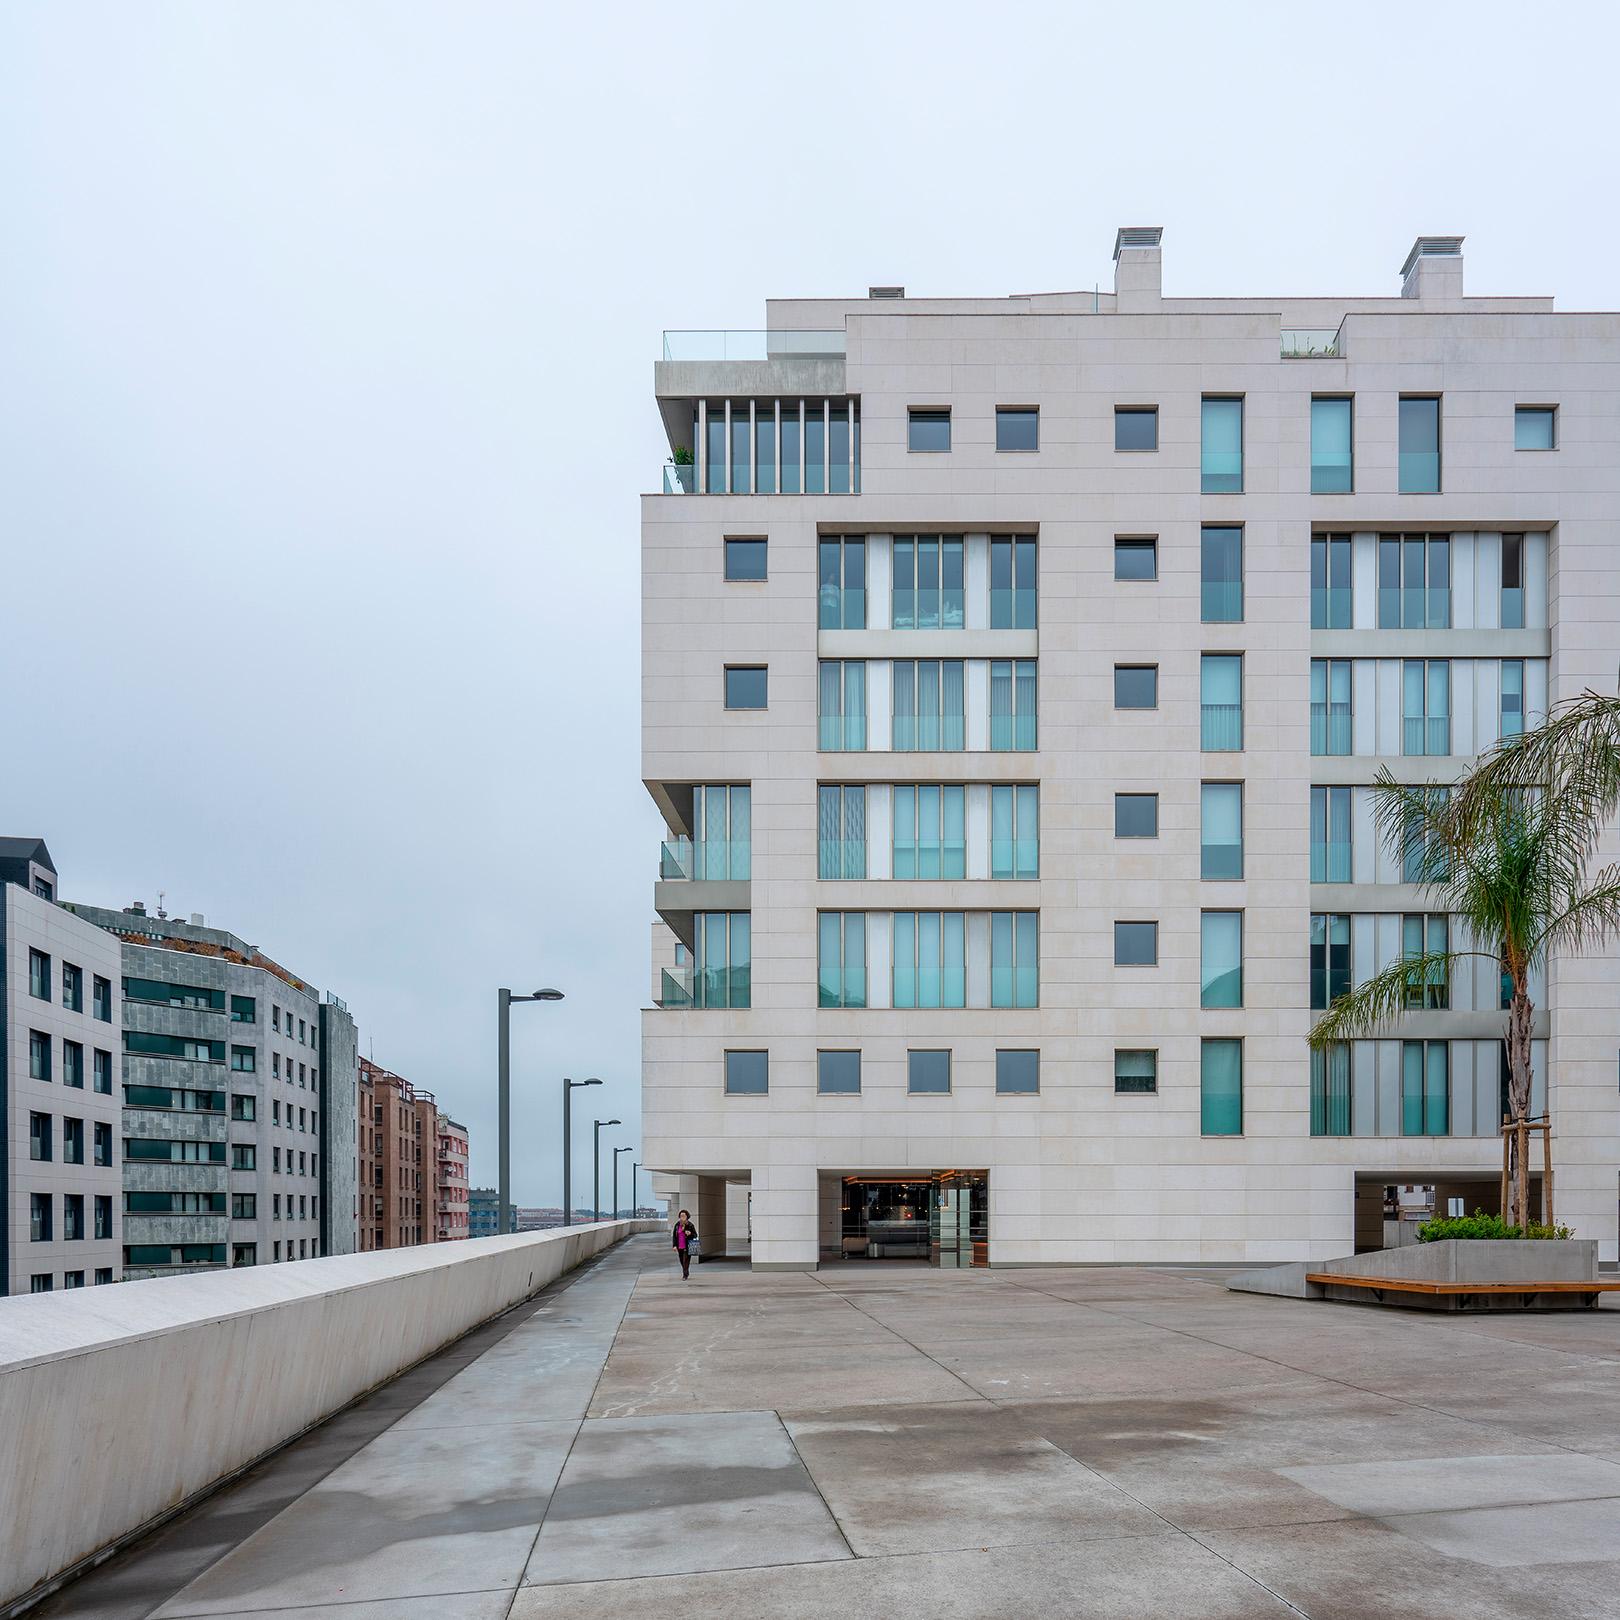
<point>913,1443</point>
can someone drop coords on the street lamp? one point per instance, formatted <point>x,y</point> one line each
<point>568,1147</point>
<point>616,1153</point>
<point>635,1202</point>
<point>596,1168</point>
<point>503,1001</point>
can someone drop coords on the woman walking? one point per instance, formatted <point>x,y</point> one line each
<point>686,1241</point>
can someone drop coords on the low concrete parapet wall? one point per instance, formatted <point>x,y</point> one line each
<point>119,1405</point>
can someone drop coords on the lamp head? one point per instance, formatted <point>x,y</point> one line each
<point>547,995</point>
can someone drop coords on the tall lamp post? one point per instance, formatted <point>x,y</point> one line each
<point>635,1202</point>
<point>596,1168</point>
<point>503,1000</point>
<point>568,1147</point>
<point>616,1153</point>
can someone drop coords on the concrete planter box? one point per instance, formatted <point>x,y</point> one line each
<point>1455,1261</point>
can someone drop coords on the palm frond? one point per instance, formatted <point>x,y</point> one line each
<point>1386,996</point>
<point>1589,920</point>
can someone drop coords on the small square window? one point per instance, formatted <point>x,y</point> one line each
<point>838,1074</point>
<point>1136,944</point>
<point>1136,556</point>
<point>1018,1073</point>
<point>1136,686</point>
<point>1135,1070</point>
<point>928,1073</point>
<point>1136,427</point>
<point>928,430</point>
<point>745,686</point>
<point>1535,427</point>
<point>745,559</point>
<point>1018,427</point>
<point>1136,815</point>
<point>747,1074</point>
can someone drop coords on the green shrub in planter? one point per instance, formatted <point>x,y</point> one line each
<point>1481,1225</point>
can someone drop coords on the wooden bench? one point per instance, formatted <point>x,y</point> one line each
<point>1407,1285</point>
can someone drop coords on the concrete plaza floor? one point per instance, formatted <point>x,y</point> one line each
<point>878,1439</point>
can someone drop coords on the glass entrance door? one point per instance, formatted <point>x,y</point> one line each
<point>959,1219</point>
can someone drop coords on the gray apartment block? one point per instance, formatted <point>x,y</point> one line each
<point>1015,674</point>
<point>239,1093</point>
<point>59,1113</point>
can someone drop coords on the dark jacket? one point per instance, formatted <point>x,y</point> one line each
<point>691,1235</point>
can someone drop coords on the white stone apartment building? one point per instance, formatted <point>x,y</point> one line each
<point>1014,672</point>
<point>60,1013</point>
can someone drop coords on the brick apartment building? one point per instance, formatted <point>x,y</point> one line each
<point>450,1193</point>
<point>398,1157</point>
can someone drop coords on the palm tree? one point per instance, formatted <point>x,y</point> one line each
<point>1508,851</point>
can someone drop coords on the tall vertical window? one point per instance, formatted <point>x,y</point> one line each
<point>1419,446</point>
<point>1221,463</point>
<point>101,999</point>
<point>101,1072</point>
<point>1330,1090</point>
<point>1512,697</point>
<point>1330,835</point>
<point>1426,706</point>
<point>39,1055</point>
<point>721,961</point>
<point>1012,705</point>
<point>930,837</point>
<point>1220,1088</point>
<point>39,1138</point>
<point>39,975</point>
<point>1426,935</point>
<point>722,831</point>
<point>1015,976</point>
<point>1330,958</point>
<point>1330,706</point>
<point>765,445</point>
<point>792,444</point>
<point>73,1065</point>
<point>1015,832</point>
<point>841,705</point>
<point>929,961</point>
<point>1221,702</point>
<point>1535,427</point>
<point>1423,857</point>
<point>842,600</point>
<point>928,592</point>
<point>1331,593</point>
<point>1332,462</point>
<point>930,714</point>
<point>104,1219</point>
<point>838,448</point>
<point>1222,959</point>
<point>1513,582</point>
<point>718,460</point>
<point>1425,1089</point>
<point>741,448</point>
<point>39,1217</point>
<point>841,959</point>
<point>1221,831</point>
<point>101,1147</point>
<point>72,987</point>
<point>1012,582</point>
<point>1221,566</point>
<point>840,831</point>
<point>1414,581</point>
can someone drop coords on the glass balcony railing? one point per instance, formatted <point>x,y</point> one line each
<point>1222,728</point>
<point>715,860</point>
<point>754,345</point>
<point>680,479</point>
<point>1312,343</point>
<point>1330,729</point>
<point>675,987</point>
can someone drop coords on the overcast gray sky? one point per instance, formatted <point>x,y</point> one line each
<point>326,344</point>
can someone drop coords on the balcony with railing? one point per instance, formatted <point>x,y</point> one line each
<point>717,344</point>
<point>1313,342</point>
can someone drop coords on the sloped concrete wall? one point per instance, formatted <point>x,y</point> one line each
<point>117,1405</point>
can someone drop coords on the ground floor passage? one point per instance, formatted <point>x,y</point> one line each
<point>896,1440</point>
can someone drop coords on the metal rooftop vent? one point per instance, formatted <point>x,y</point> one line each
<point>885,292</point>
<point>1137,236</point>
<point>1432,247</point>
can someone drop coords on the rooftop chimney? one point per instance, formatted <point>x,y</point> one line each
<point>1138,282</point>
<point>1433,271</point>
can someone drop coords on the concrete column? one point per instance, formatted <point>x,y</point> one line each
<point>785,1217</point>
<point>710,1216</point>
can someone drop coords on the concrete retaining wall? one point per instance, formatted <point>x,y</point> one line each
<point>119,1404</point>
<point>1454,1260</point>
